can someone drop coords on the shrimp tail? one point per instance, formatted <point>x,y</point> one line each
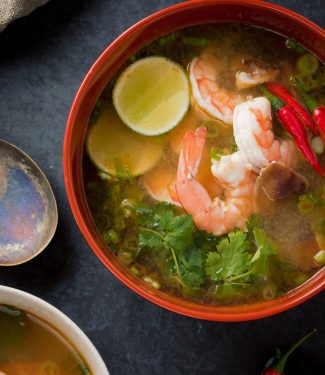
<point>193,145</point>
<point>187,187</point>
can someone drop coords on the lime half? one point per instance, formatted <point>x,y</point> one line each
<point>152,95</point>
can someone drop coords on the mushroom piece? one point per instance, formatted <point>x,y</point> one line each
<point>277,182</point>
<point>259,72</point>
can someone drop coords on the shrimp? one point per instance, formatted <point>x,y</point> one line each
<point>217,215</point>
<point>215,100</point>
<point>255,138</point>
<point>260,73</point>
<point>160,184</point>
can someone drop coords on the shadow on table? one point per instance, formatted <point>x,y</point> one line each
<point>37,29</point>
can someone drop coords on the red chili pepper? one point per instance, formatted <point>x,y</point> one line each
<point>271,371</point>
<point>286,96</point>
<point>319,118</point>
<point>293,124</point>
<point>317,110</point>
<point>278,367</point>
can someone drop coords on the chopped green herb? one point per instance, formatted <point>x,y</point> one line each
<point>320,258</point>
<point>234,148</point>
<point>307,203</point>
<point>193,41</point>
<point>122,171</point>
<point>308,81</point>
<point>192,266</point>
<point>230,259</point>
<point>168,38</point>
<point>290,43</point>
<point>162,230</point>
<point>307,64</point>
<point>232,263</point>
<point>217,153</point>
<point>265,248</point>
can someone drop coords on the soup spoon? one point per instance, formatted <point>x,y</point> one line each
<point>28,210</point>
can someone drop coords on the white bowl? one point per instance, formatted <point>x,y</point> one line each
<point>50,314</point>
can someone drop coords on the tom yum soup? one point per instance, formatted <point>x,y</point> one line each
<point>29,346</point>
<point>204,164</point>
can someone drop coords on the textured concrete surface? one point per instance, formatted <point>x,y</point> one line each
<point>43,59</point>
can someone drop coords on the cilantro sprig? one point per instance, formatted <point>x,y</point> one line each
<point>162,230</point>
<point>233,263</point>
<point>234,260</point>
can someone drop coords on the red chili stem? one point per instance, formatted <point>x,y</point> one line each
<point>311,103</point>
<point>286,96</point>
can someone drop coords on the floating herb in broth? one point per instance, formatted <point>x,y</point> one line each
<point>153,226</point>
<point>28,345</point>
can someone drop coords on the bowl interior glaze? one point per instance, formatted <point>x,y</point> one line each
<point>190,13</point>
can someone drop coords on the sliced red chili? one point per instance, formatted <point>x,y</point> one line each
<point>287,97</point>
<point>317,110</point>
<point>293,124</point>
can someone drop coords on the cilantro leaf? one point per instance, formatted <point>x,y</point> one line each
<point>204,241</point>
<point>163,216</point>
<point>265,247</point>
<point>151,240</point>
<point>181,236</point>
<point>192,267</point>
<point>231,259</point>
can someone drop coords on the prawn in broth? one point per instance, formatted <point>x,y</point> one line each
<point>199,223</point>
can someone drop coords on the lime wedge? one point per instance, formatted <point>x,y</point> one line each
<point>110,143</point>
<point>152,95</point>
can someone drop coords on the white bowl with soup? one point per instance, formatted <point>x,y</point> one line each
<point>38,339</point>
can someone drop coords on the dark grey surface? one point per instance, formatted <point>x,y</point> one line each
<point>43,59</point>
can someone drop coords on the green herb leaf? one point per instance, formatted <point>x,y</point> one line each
<point>181,236</point>
<point>151,239</point>
<point>260,260</point>
<point>234,148</point>
<point>192,267</point>
<point>290,43</point>
<point>231,259</point>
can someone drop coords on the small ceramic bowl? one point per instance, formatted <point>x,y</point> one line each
<point>53,316</point>
<point>253,12</point>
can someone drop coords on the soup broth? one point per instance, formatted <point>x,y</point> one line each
<point>29,346</point>
<point>275,244</point>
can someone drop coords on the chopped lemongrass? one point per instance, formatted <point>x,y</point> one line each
<point>320,258</point>
<point>317,145</point>
<point>193,41</point>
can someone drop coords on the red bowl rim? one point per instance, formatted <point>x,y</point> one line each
<point>223,314</point>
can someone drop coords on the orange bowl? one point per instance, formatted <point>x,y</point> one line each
<point>253,12</point>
